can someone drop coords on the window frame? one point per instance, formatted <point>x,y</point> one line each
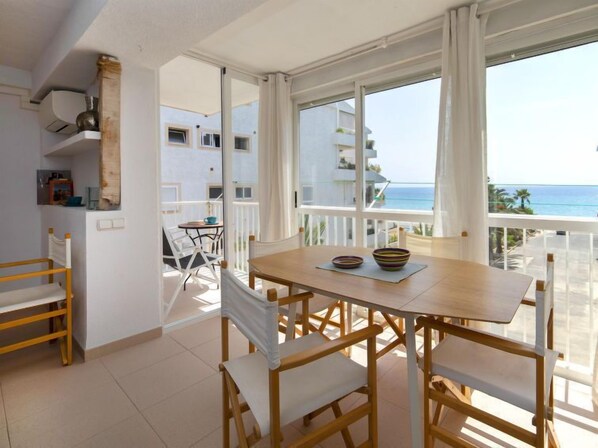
<point>244,187</point>
<point>212,132</point>
<point>209,187</point>
<point>182,128</point>
<point>249,143</point>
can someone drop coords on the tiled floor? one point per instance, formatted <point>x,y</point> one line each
<point>166,392</point>
<point>199,298</point>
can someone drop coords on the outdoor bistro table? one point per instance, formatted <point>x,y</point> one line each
<point>202,232</point>
<point>447,288</point>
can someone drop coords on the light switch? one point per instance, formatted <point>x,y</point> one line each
<point>118,223</point>
<point>104,224</point>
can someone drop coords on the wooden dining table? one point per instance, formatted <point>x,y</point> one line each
<point>446,287</point>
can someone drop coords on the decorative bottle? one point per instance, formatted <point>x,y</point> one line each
<point>89,120</point>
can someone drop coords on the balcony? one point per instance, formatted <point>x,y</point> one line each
<point>343,139</point>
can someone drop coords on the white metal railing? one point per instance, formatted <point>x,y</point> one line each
<point>572,240</point>
<point>245,222</point>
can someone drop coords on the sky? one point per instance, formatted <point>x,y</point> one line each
<point>542,116</point>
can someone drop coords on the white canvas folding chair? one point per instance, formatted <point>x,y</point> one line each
<point>317,304</point>
<point>512,371</point>
<point>188,261</point>
<point>299,378</point>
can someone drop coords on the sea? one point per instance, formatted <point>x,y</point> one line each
<point>552,200</point>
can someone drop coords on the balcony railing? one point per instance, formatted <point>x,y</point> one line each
<point>245,222</point>
<point>572,240</point>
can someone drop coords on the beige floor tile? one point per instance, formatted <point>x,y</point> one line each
<point>73,421</point>
<point>393,426</point>
<point>49,386</point>
<point>214,439</point>
<point>4,443</point>
<point>211,352</point>
<point>197,334</point>
<point>20,364</point>
<point>393,385</point>
<point>190,415</point>
<point>134,432</point>
<point>159,381</point>
<point>140,356</point>
<point>201,296</point>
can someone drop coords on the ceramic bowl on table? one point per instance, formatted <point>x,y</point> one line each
<point>347,261</point>
<point>391,258</point>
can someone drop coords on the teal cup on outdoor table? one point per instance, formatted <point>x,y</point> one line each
<point>211,220</point>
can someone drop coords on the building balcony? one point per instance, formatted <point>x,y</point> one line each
<point>343,139</point>
<point>370,153</point>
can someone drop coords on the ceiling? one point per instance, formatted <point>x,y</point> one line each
<point>281,35</point>
<point>193,85</point>
<point>26,27</point>
<point>261,36</point>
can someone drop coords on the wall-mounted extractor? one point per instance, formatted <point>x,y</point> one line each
<point>59,109</point>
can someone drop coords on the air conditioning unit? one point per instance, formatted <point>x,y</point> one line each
<point>59,109</point>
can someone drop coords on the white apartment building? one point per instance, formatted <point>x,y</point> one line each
<point>192,162</point>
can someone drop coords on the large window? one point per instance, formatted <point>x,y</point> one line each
<point>401,139</point>
<point>327,154</point>
<point>542,138</point>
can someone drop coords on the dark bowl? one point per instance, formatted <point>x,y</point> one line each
<point>347,261</point>
<point>391,258</point>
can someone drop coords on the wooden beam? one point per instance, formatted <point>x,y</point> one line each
<point>109,79</point>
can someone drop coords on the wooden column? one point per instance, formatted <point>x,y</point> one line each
<point>109,80</point>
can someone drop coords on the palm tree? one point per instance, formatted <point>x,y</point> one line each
<point>523,195</point>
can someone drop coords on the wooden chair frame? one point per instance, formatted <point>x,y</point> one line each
<point>435,388</point>
<point>59,318</point>
<point>233,408</point>
<point>306,322</point>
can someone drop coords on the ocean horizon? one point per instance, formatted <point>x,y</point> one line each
<point>551,200</point>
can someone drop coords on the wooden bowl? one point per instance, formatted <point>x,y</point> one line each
<point>391,258</point>
<point>347,261</point>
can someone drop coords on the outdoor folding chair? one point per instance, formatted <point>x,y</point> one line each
<point>298,378</point>
<point>188,261</point>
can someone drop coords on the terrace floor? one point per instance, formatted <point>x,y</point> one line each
<point>166,392</point>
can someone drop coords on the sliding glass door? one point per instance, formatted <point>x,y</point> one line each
<point>240,105</point>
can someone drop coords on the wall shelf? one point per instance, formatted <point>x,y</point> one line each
<point>77,144</point>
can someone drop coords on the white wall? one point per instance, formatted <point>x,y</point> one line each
<point>20,225</point>
<point>124,266</point>
<point>195,168</point>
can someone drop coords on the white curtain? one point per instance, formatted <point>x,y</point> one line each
<point>275,158</point>
<point>461,197</point>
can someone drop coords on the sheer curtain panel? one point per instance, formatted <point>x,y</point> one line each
<point>275,158</point>
<point>461,197</point>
